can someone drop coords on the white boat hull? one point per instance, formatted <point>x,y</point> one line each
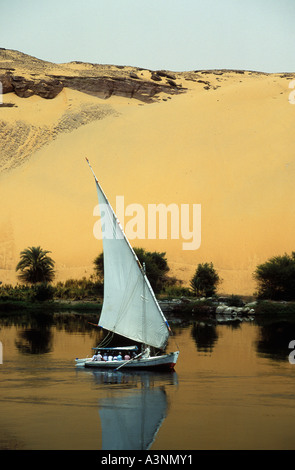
<point>164,362</point>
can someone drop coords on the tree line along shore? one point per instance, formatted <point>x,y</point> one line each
<point>36,272</point>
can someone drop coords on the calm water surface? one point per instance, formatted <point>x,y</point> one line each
<point>233,388</point>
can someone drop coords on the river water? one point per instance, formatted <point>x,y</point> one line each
<point>233,388</point>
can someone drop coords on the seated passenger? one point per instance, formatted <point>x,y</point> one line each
<point>119,357</point>
<point>146,352</point>
<point>110,357</point>
<point>126,357</point>
<point>105,357</point>
<point>98,357</point>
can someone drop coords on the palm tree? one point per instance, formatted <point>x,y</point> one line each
<point>35,266</point>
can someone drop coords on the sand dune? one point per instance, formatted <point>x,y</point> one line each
<point>30,125</point>
<point>226,143</point>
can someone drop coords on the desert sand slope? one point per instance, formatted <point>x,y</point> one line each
<point>226,143</point>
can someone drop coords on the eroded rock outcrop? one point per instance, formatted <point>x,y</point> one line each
<point>45,88</point>
<point>26,76</point>
<point>24,87</point>
<point>105,87</point>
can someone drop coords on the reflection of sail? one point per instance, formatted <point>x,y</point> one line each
<point>131,422</point>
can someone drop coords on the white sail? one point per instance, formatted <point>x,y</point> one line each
<point>130,308</point>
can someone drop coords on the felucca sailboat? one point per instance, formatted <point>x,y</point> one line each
<point>130,308</point>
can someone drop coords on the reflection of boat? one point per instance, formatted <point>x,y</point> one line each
<point>132,378</point>
<point>131,422</point>
<point>130,308</point>
<point>134,409</point>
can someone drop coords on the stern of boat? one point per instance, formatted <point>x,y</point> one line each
<point>174,358</point>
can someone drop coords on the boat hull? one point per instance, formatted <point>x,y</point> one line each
<point>164,362</point>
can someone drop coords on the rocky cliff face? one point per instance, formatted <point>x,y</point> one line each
<point>25,87</point>
<point>26,76</point>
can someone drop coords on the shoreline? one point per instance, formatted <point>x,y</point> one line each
<point>199,309</point>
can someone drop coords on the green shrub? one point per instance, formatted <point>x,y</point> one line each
<point>205,280</point>
<point>276,278</point>
<point>42,292</point>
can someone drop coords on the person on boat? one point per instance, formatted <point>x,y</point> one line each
<point>115,358</point>
<point>98,356</point>
<point>146,352</point>
<point>119,357</point>
<point>126,357</point>
<point>105,357</point>
<point>110,357</point>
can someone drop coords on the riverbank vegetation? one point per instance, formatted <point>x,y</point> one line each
<point>275,279</point>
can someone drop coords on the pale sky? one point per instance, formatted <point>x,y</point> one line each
<point>177,35</point>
